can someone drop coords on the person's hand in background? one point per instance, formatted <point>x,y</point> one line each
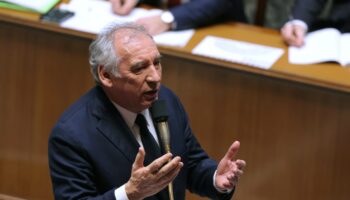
<point>123,7</point>
<point>293,34</point>
<point>153,24</point>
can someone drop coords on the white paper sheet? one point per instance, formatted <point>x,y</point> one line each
<point>93,15</point>
<point>174,38</point>
<point>322,46</point>
<point>237,51</point>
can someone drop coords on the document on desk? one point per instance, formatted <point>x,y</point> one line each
<point>323,45</point>
<point>174,38</point>
<point>246,53</point>
<point>93,15</point>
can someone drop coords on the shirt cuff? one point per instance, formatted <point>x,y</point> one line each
<point>218,189</point>
<point>120,193</point>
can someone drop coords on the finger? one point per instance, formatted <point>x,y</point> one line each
<point>299,34</point>
<point>157,164</point>
<point>287,33</point>
<point>232,151</point>
<point>232,179</point>
<point>127,7</point>
<point>170,166</point>
<point>240,164</point>
<point>116,6</point>
<point>238,173</point>
<point>140,157</point>
<point>165,179</point>
<point>172,175</point>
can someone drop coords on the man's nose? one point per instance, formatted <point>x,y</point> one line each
<point>154,74</point>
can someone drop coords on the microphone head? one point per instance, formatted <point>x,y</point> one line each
<point>159,111</point>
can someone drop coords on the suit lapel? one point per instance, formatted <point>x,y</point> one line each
<point>113,127</point>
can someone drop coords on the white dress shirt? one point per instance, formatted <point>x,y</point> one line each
<point>130,117</point>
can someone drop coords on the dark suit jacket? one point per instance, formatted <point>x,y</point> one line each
<point>197,13</point>
<point>91,151</point>
<point>309,10</point>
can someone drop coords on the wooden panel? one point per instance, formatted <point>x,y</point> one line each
<point>41,74</point>
<point>294,137</point>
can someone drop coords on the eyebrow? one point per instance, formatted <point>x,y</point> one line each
<point>140,63</point>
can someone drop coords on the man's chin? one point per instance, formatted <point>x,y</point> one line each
<point>148,102</point>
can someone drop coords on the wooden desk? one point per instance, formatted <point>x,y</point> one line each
<point>7,197</point>
<point>292,121</point>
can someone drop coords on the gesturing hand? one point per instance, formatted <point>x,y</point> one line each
<point>229,170</point>
<point>149,180</point>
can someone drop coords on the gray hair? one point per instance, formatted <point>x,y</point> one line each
<point>103,52</point>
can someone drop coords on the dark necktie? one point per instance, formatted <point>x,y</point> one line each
<point>151,147</point>
<point>149,144</point>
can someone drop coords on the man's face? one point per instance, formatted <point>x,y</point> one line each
<point>140,72</point>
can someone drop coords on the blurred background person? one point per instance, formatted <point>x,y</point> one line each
<point>183,14</point>
<point>305,17</point>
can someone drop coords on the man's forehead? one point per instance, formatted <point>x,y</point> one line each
<point>136,48</point>
<point>126,36</point>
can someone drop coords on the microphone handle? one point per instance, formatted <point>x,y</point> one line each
<point>165,140</point>
<point>164,135</point>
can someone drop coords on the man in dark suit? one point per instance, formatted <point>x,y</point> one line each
<point>97,150</point>
<point>186,14</point>
<point>305,17</point>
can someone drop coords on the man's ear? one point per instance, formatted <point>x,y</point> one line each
<point>104,76</point>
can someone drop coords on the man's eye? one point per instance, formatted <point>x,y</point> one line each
<point>137,70</point>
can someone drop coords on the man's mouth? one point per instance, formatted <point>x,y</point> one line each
<point>151,95</point>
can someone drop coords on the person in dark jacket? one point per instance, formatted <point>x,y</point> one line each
<point>186,14</point>
<point>304,18</point>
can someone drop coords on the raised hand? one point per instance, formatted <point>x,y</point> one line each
<point>229,170</point>
<point>148,180</point>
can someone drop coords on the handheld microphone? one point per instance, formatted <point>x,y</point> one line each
<point>160,117</point>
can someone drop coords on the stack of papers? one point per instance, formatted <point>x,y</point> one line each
<point>237,51</point>
<point>39,6</point>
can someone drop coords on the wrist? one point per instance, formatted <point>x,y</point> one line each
<point>131,192</point>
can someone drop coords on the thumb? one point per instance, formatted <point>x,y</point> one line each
<point>140,157</point>
<point>232,151</point>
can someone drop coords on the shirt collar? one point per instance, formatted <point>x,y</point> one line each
<point>130,116</point>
